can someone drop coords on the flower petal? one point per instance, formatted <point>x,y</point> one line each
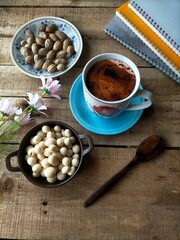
<point>56,96</point>
<point>43,82</point>
<point>7,108</point>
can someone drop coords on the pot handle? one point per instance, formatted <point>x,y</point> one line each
<point>8,162</point>
<point>89,141</point>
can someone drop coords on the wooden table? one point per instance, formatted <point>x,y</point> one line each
<point>143,205</point>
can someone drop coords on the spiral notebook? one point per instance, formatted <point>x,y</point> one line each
<point>150,38</point>
<point>163,17</point>
<point>168,61</point>
<point>118,30</point>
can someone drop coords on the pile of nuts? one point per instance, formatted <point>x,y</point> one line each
<point>47,51</point>
<point>53,153</point>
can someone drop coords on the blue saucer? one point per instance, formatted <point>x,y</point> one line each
<point>96,124</point>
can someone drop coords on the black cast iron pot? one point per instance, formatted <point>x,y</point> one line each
<point>26,169</point>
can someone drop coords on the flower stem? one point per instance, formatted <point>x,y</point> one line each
<point>44,94</point>
<point>8,118</point>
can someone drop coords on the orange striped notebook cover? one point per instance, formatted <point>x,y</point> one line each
<point>149,37</point>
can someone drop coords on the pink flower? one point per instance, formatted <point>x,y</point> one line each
<point>35,103</point>
<point>7,109</point>
<point>50,86</point>
<point>23,118</point>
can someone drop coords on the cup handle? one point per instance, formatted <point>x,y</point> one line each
<point>148,96</point>
<point>8,162</point>
<point>89,141</point>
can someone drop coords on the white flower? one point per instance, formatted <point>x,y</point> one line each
<point>35,103</point>
<point>50,87</point>
<point>23,118</point>
<point>7,108</point>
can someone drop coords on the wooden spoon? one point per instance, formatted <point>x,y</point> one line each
<point>148,149</point>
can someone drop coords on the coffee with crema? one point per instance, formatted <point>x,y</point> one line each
<point>110,80</point>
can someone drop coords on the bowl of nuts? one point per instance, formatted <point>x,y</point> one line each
<point>46,46</point>
<point>50,154</point>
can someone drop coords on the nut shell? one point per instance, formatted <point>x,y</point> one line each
<point>51,68</point>
<point>46,64</point>
<point>60,67</point>
<point>35,48</point>
<point>60,60</point>
<point>36,57</point>
<point>43,35</point>
<point>38,64</point>
<point>29,33</point>
<point>53,37</point>
<point>30,40</point>
<point>43,51</point>
<point>39,41</point>
<point>61,54</point>
<point>66,43</point>
<point>42,28</point>
<point>24,51</point>
<point>61,35</point>
<point>51,54</point>
<point>48,49</point>
<point>28,45</point>
<point>70,50</point>
<point>29,59</point>
<point>23,43</point>
<point>48,43</point>
<point>57,45</point>
<point>51,28</point>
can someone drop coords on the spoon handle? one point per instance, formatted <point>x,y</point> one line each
<point>109,183</point>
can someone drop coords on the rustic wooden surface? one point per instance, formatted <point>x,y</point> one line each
<point>145,205</point>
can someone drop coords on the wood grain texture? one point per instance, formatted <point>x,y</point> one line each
<point>94,38</point>
<point>91,47</point>
<point>155,120</point>
<point>137,207</point>
<point>61,3</point>
<point>145,204</point>
<point>60,110</point>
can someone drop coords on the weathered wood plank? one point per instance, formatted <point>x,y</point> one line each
<point>91,48</point>
<point>90,27</point>
<point>95,40</point>
<point>151,78</point>
<point>62,3</point>
<point>87,20</point>
<point>145,204</point>
<point>155,120</point>
<point>137,207</point>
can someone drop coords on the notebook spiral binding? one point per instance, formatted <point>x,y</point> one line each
<point>169,72</point>
<point>155,25</point>
<point>154,46</point>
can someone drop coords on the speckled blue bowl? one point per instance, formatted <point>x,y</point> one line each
<point>63,25</point>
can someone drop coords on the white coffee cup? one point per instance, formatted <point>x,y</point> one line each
<point>112,108</point>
